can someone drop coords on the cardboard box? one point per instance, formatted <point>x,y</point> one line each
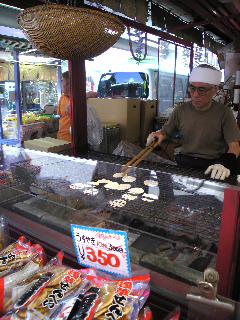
<point>48,145</point>
<point>33,130</point>
<point>125,112</point>
<point>147,115</point>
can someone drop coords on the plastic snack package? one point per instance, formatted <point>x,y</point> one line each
<point>17,292</point>
<point>123,299</point>
<point>15,256</point>
<point>19,271</point>
<point>71,301</point>
<point>175,315</point>
<point>145,314</point>
<point>45,294</point>
<point>105,298</point>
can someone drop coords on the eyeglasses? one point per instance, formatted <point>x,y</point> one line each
<point>200,90</point>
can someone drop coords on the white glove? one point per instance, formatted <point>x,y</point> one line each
<point>218,171</point>
<point>150,139</point>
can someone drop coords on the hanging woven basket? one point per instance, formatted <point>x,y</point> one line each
<point>67,32</point>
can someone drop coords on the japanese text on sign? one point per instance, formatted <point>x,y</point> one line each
<point>103,249</point>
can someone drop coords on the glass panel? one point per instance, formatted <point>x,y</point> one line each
<point>39,96</point>
<point>7,96</point>
<point>203,55</point>
<point>182,72</point>
<point>173,220</point>
<point>124,84</point>
<point>166,76</point>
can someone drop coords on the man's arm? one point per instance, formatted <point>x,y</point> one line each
<point>233,147</point>
<point>169,127</point>
<point>227,163</point>
<point>157,135</point>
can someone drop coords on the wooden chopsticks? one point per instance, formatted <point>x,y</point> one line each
<point>134,162</point>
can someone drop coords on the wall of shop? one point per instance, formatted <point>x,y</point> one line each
<point>28,72</point>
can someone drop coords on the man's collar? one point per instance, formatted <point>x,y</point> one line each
<point>205,108</point>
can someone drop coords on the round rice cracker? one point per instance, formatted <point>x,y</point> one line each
<point>150,196</point>
<point>129,197</point>
<point>79,186</point>
<point>147,199</point>
<point>91,191</point>
<point>94,183</point>
<point>103,181</point>
<point>117,203</point>
<point>124,186</point>
<point>112,185</point>
<point>136,190</point>
<point>118,175</point>
<point>151,183</point>
<point>128,179</point>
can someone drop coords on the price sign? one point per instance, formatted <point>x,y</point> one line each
<point>103,249</point>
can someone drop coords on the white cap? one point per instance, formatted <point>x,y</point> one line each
<point>206,75</point>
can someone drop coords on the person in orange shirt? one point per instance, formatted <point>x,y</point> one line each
<point>64,132</point>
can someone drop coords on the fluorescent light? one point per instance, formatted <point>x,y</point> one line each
<point>10,7</point>
<point>12,32</point>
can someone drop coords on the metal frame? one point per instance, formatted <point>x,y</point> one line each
<point>16,141</point>
<point>59,79</point>
<point>226,257</point>
<point>17,93</point>
<point>229,241</point>
<point>174,73</point>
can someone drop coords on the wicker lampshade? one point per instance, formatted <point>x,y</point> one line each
<point>67,32</point>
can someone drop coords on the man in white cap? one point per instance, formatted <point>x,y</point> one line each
<point>209,133</point>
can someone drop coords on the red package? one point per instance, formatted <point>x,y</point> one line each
<point>145,314</point>
<point>47,292</point>
<point>111,299</point>
<point>175,315</point>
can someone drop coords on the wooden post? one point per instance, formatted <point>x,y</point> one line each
<point>228,245</point>
<point>77,76</point>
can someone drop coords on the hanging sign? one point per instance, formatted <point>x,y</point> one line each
<point>103,249</point>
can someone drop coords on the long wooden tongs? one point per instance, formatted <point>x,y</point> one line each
<point>135,161</point>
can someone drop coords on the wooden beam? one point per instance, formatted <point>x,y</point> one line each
<point>197,8</point>
<point>21,4</point>
<point>219,10</point>
<point>204,22</point>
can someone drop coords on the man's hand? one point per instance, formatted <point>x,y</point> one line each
<point>154,136</point>
<point>218,171</point>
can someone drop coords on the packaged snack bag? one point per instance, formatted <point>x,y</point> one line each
<point>20,262</point>
<point>145,314</point>
<point>15,256</point>
<point>175,315</point>
<point>28,290</point>
<point>107,299</point>
<point>46,293</point>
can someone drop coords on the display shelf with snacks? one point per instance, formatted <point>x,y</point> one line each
<point>178,225</point>
<point>37,286</point>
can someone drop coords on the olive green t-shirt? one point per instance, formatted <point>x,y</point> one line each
<point>204,134</point>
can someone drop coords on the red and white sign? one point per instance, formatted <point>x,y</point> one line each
<point>103,249</point>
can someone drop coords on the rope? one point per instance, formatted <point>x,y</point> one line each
<point>139,59</point>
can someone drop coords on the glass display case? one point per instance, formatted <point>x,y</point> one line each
<point>177,225</point>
